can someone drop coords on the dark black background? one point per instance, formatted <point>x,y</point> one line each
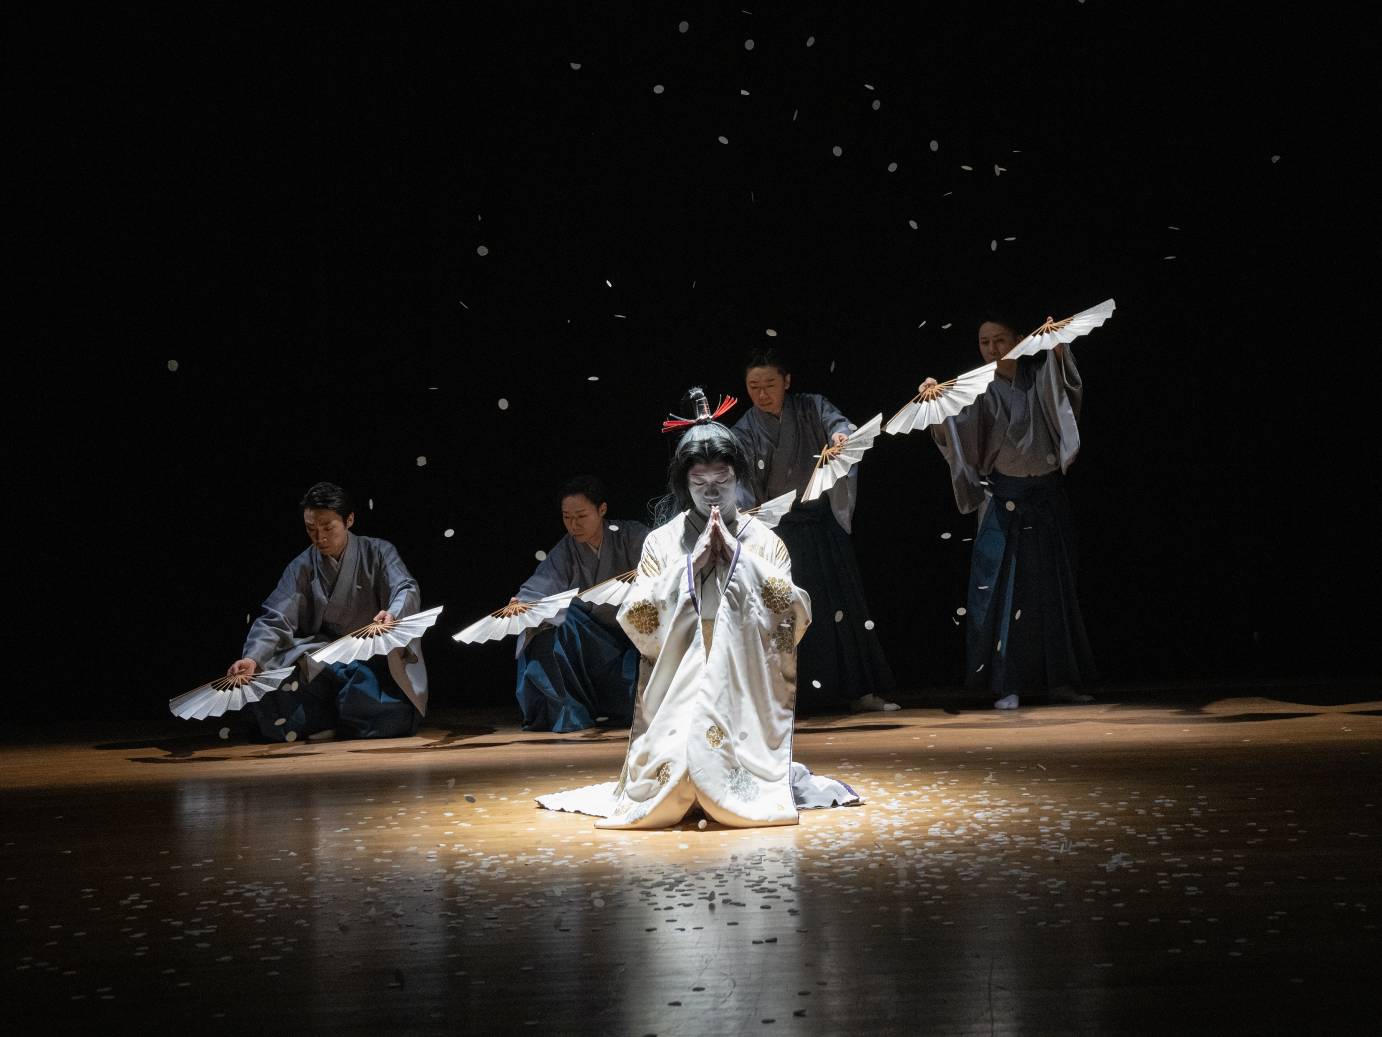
<point>289,205</point>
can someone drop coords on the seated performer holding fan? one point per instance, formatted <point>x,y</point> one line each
<point>581,669</point>
<point>1008,452</point>
<point>341,583</point>
<point>841,661</point>
<point>716,618</point>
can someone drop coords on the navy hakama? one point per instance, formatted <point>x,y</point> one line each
<point>838,661</point>
<point>583,670</point>
<point>1007,453</point>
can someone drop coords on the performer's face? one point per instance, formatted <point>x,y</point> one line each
<point>713,485</point>
<point>995,341</point>
<point>583,519</point>
<point>767,388</point>
<point>327,530</point>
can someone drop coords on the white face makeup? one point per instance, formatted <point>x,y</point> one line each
<point>713,485</point>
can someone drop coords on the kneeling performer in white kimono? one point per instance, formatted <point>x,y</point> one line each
<point>716,619</point>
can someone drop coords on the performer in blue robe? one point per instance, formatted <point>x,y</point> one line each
<point>1008,453</point>
<point>839,662</point>
<point>339,584</point>
<point>583,669</point>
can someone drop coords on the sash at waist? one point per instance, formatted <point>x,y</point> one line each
<point>1016,487</point>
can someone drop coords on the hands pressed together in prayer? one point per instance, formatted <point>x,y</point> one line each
<point>716,543</point>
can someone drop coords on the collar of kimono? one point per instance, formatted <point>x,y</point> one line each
<point>345,583</point>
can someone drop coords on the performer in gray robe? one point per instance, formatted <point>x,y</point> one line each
<point>1008,453</point>
<point>339,584</point>
<point>839,662</point>
<point>583,668</point>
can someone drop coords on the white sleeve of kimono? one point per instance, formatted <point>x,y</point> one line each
<point>647,612</point>
<point>786,611</point>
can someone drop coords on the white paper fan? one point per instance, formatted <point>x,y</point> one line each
<point>834,462</point>
<point>1054,332</point>
<point>770,512</point>
<point>612,591</point>
<point>935,403</point>
<point>377,638</point>
<point>226,693</point>
<point>520,615</point>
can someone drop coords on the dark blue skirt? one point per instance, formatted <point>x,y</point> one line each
<point>570,674</point>
<point>844,656</point>
<point>1025,631</point>
<point>358,700</point>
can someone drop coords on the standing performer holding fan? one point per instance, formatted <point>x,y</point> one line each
<point>800,443</point>
<point>1008,453</point>
<point>345,618</point>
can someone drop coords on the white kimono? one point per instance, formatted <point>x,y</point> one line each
<point>716,689</point>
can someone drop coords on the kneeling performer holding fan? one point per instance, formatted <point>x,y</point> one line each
<point>345,618</point>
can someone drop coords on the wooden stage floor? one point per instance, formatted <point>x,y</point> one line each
<point>1200,859</point>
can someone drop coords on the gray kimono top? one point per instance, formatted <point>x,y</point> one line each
<point>570,564</point>
<point>1025,427</point>
<point>783,449</point>
<point>319,599</point>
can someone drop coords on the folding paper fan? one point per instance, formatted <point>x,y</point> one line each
<point>935,403</point>
<point>226,693</point>
<point>770,512</point>
<point>514,617</point>
<point>834,462</point>
<point>377,638</point>
<point>612,591</point>
<point>1054,332</point>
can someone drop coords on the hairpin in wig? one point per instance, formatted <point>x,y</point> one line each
<point>701,405</point>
